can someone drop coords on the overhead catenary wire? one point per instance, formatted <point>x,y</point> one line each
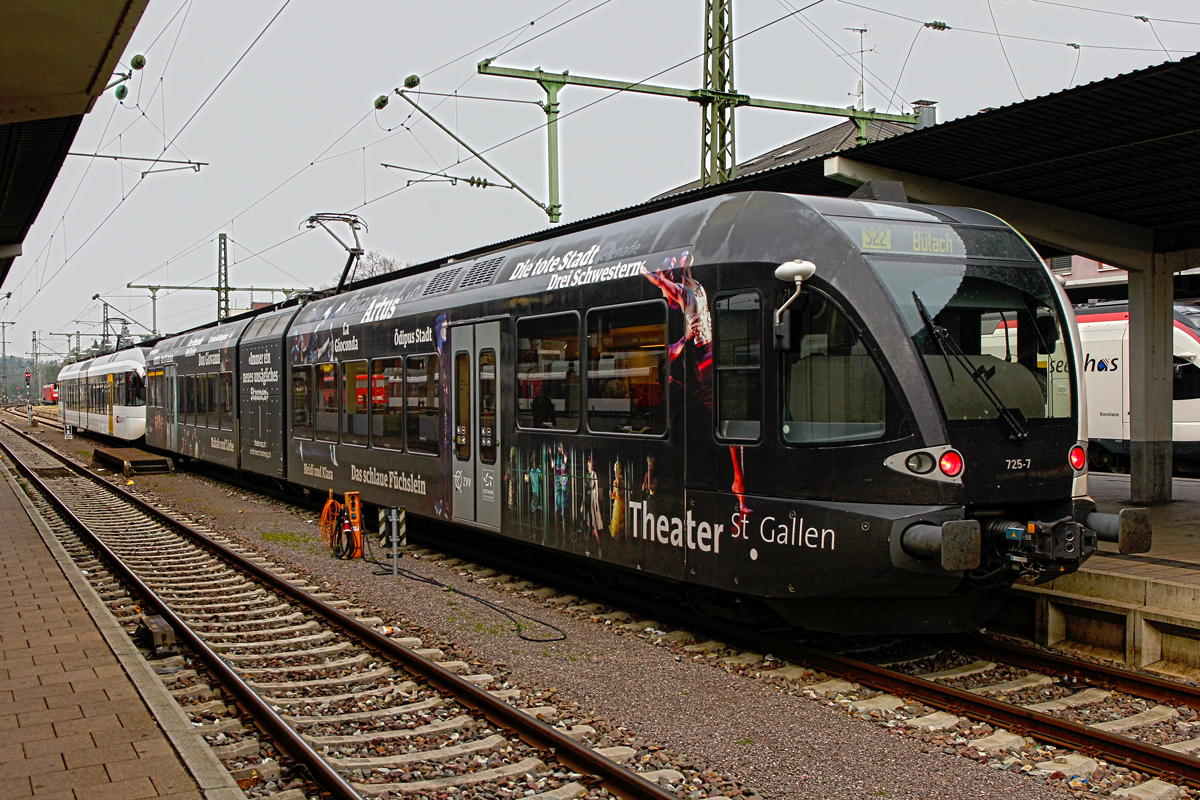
<point>1004,50</point>
<point>1010,35</point>
<point>1112,13</point>
<point>505,43</point>
<point>903,66</point>
<point>838,51</point>
<point>320,157</point>
<point>121,202</point>
<point>612,93</point>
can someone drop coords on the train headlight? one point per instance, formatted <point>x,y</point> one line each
<point>951,463</point>
<point>920,463</point>
<point>1078,458</point>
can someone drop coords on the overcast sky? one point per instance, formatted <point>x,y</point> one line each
<point>291,131</point>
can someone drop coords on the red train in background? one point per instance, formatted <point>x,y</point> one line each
<point>50,394</point>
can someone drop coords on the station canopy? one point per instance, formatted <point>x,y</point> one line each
<point>1109,169</point>
<point>58,57</point>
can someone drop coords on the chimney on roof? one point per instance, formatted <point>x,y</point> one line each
<point>926,113</point>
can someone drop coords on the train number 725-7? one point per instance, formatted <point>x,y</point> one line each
<point>1019,463</point>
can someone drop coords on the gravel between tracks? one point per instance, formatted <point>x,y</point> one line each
<point>782,745</point>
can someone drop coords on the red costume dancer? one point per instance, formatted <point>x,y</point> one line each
<point>690,297</point>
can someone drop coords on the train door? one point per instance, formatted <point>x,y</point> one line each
<point>109,391</point>
<point>475,422</point>
<point>736,416</point>
<point>169,407</point>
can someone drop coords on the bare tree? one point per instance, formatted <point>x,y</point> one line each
<point>373,263</point>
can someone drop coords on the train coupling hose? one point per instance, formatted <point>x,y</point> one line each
<point>1130,529</point>
<point>957,544</point>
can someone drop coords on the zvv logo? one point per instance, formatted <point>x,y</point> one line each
<point>1099,364</point>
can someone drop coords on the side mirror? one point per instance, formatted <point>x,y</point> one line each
<point>783,331</point>
<point>797,272</point>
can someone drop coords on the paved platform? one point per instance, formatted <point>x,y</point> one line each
<point>1175,554</point>
<point>73,723</point>
<point>1143,609</point>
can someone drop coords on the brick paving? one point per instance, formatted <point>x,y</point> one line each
<point>72,725</point>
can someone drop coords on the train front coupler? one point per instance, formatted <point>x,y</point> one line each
<point>1045,549</point>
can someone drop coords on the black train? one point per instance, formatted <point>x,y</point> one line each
<point>882,444</point>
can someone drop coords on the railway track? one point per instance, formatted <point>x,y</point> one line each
<point>44,415</point>
<point>1071,705</point>
<point>353,710</point>
<point>1088,714</point>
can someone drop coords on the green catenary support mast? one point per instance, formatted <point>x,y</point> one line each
<point>718,99</point>
<point>718,163</point>
<point>222,278</point>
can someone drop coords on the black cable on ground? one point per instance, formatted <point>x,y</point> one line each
<point>507,613</point>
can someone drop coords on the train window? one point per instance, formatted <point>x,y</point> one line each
<point>302,402</point>
<point>627,369</point>
<point>462,406</point>
<point>190,398</point>
<point>203,401</point>
<point>738,362</point>
<point>387,403</point>
<point>226,400</point>
<point>118,385</point>
<point>995,321</point>
<point>354,402</point>
<point>833,390</point>
<point>326,417</point>
<point>1187,380</point>
<point>487,406</point>
<point>548,372</point>
<point>423,409</point>
<point>135,389</point>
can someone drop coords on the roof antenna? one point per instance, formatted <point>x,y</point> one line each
<point>860,103</point>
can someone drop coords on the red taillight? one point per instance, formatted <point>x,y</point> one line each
<point>951,464</point>
<point>1078,458</point>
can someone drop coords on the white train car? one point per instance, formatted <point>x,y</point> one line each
<point>106,394</point>
<point>1104,332</point>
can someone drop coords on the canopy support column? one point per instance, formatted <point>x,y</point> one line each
<point>1151,335</point>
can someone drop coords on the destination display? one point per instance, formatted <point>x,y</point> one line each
<point>886,236</point>
<point>902,238</point>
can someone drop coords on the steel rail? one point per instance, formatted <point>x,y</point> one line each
<point>1151,687</point>
<point>41,420</point>
<point>1060,732</point>
<point>1046,727</point>
<point>619,780</point>
<point>265,717</point>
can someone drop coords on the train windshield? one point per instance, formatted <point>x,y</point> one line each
<point>992,337</point>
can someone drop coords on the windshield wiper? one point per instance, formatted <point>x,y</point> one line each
<point>1012,417</point>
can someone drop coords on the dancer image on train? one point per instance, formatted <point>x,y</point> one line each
<point>649,482</point>
<point>617,524</point>
<point>560,465</point>
<point>534,477</point>
<point>591,500</point>
<point>690,296</point>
